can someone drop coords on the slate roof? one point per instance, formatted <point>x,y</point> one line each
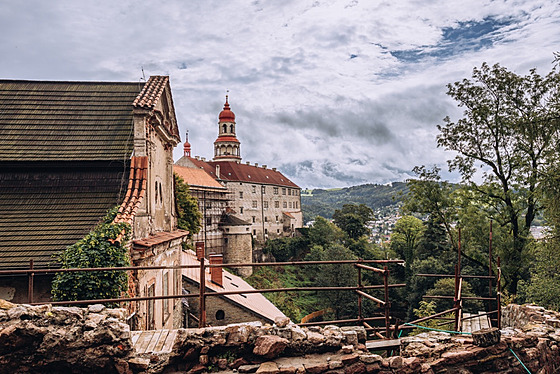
<point>66,121</point>
<point>42,212</point>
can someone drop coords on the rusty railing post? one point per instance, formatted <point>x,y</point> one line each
<point>202,297</point>
<point>490,262</point>
<point>360,312</point>
<point>459,251</point>
<point>387,303</point>
<point>499,295</point>
<point>30,277</point>
<point>457,297</point>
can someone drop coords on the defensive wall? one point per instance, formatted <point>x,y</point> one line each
<point>47,339</point>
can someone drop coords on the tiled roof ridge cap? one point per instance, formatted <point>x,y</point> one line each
<point>137,184</point>
<point>65,81</point>
<point>151,92</point>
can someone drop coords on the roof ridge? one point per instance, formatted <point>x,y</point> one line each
<point>151,93</point>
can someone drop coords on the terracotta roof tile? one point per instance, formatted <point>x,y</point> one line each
<point>151,92</point>
<point>137,181</point>
<point>238,172</point>
<point>254,302</point>
<point>197,177</point>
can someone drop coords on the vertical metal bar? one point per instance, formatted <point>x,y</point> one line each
<point>202,297</point>
<point>30,277</point>
<point>360,312</point>
<point>459,251</point>
<point>490,261</point>
<point>457,297</point>
<point>387,303</point>
<point>499,295</point>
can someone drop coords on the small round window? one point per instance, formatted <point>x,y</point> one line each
<point>220,314</point>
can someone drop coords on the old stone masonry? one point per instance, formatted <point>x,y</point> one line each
<point>46,339</point>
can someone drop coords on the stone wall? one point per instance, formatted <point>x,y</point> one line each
<point>49,339</point>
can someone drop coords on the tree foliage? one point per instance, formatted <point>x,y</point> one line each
<point>98,248</point>
<point>352,219</point>
<point>188,216</point>
<point>509,129</point>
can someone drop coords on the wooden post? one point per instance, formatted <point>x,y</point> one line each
<point>387,303</point>
<point>202,297</point>
<point>30,277</point>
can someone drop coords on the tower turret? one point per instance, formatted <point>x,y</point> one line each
<point>187,146</point>
<point>227,147</point>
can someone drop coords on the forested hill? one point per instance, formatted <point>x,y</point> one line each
<point>323,203</point>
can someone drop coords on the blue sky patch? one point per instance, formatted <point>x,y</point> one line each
<point>466,36</point>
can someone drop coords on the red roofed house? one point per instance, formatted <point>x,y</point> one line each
<point>69,152</point>
<point>263,197</point>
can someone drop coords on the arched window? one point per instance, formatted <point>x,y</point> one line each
<point>231,129</point>
<point>225,127</point>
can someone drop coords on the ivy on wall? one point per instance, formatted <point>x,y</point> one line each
<point>97,249</point>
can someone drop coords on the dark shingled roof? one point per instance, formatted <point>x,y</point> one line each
<point>66,121</point>
<point>42,212</point>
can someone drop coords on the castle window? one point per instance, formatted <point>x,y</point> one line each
<point>208,221</point>
<point>276,218</point>
<point>231,129</point>
<point>253,219</point>
<point>266,219</point>
<point>277,204</point>
<point>254,189</point>
<point>254,204</point>
<point>290,205</point>
<point>241,194</point>
<point>225,127</point>
<point>283,191</point>
<point>265,204</point>
<point>240,210</point>
<point>276,190</point>
<point>289,192</point>
<point>285,205</point>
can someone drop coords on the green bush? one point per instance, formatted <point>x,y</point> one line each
<point>97,249</point>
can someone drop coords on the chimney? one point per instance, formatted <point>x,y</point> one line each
<point>248,162</point>
<point>264,166</point>
<point>273,169</point>
<point>256,164</point>
<point>199,250</point>
<point>203,158</point>
<point>217,171</point>
<point>197,157</point>
<point>216,273</point>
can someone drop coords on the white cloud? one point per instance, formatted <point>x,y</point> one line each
<point>321,89</point>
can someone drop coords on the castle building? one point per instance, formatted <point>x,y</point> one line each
<point>261,196</point>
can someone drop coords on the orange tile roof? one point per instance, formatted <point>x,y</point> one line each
<point>238,172</point>
<point>254,302</point>
<point>197,177</point>
<point>136,189</point>
<point>151,92</point>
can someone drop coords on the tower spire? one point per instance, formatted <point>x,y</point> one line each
<point>187,146</point>
<point>226,147</point>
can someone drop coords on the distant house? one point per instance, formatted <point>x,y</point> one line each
<point>70,151</point>
<point>224,309</point>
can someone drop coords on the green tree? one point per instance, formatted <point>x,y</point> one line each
<point>510,130</point>
<point>543,287</point>
<point>405,238</point>
<point>352,219</point>
<point>104,246</point>
<point>188,216</point>
<point>324,233</point>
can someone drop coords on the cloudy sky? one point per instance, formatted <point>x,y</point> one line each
<point>332,92</point>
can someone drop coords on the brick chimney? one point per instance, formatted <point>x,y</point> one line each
<point>199,250</point>
<point>216,273</point>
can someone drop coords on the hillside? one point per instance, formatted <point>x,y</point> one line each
<point>323,203</point>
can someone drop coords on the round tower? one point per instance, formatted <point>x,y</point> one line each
<point>187,146</point>
<point>226,147</point>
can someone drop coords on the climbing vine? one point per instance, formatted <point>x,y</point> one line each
<point>97,249</point>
